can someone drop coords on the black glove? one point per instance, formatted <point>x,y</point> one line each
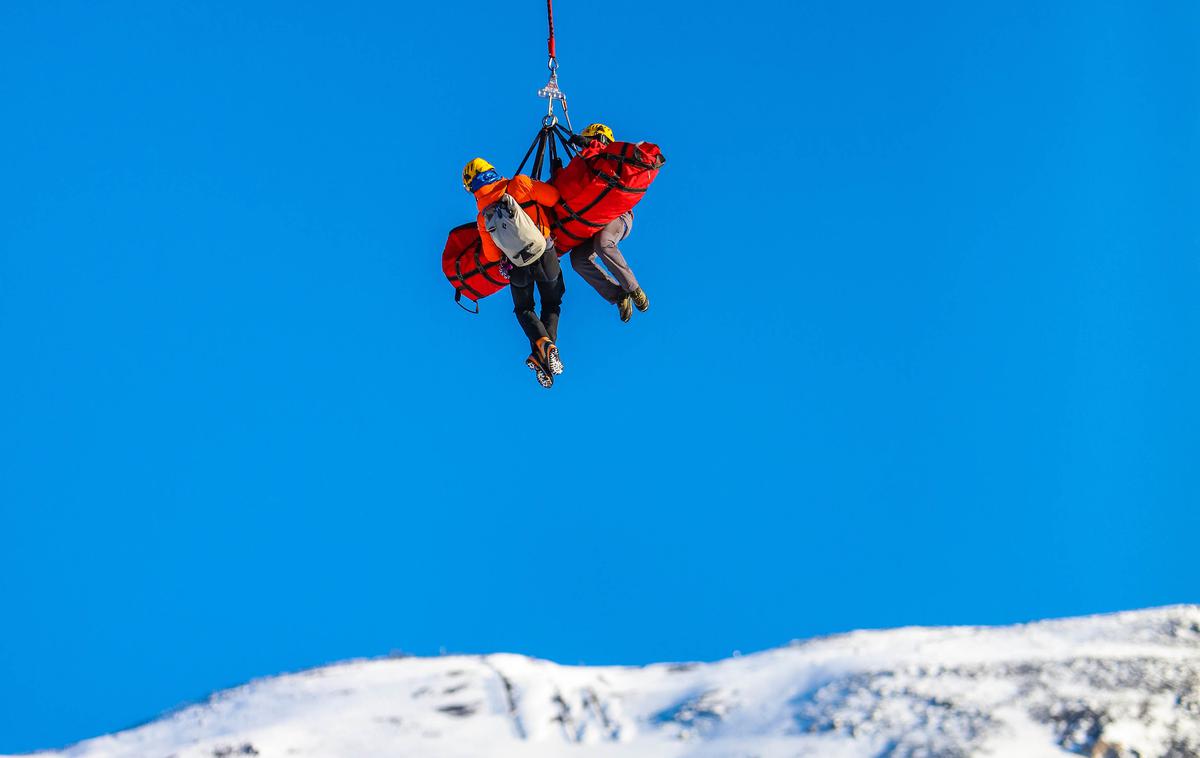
<point>579,141</point>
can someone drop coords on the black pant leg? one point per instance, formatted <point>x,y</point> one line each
<point>551,286</point>
<point>521,282</point>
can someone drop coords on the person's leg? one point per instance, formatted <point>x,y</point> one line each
<point>606,247</point>
<point>583,260</point>
<point>521,283</point>
<point>551,288</point>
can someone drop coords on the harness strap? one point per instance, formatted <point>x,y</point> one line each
<point>537,139</point>
<point>536,172</point>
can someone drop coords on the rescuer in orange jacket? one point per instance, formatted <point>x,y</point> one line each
<point>482,180</point>
<point>618,285</point>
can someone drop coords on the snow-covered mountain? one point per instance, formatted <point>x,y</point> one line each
<point>1119,685</point>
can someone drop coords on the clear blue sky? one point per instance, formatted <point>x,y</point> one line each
<point>922,349</point>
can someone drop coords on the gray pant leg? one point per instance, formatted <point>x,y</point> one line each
<point>604,246</point>
<point>583,260</point>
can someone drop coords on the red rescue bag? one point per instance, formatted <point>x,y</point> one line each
<point>598,189</point>
<point>463,264</point>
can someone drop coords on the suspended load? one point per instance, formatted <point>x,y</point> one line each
<point>464,264</point>
<point>598,188</point>
<point>595,187</point>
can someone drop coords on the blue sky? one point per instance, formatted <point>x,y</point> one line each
<point>922,347</point>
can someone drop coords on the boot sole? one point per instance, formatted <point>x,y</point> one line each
<point>544,379</point>
<point>556,364</point>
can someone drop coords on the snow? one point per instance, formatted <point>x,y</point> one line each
<point>1117,685</point>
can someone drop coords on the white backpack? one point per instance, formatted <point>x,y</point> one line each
<point>513,231</point>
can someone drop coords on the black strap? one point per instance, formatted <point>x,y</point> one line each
<point>540,220</point>
<point>458,302</point>
<point>556,163</point>
<point>573,215</point>
<point>482,268</point>
<point>612,181</point>
<point>628,156</point>
<point>462,279</point>
<point>564,136</point>
<point>536,140</point>
<point>536,172</point>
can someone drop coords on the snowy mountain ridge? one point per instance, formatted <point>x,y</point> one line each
<point>1120,685</point>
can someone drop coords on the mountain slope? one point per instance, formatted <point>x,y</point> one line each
<point>1119,685</point>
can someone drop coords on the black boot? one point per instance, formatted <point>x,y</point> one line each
<point>540,372</point>
<point>547,352</point>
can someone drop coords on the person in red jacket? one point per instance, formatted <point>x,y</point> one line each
<point>482,180</point>
<point>620,287</point>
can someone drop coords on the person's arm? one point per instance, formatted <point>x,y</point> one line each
<point>587,146</point>
<point>544,194</point>
<point>540,192</point>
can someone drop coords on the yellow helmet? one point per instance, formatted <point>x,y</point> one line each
<point>473,169</point>
<point>598,130</point>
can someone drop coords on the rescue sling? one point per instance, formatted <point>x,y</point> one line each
<point>597,189</point>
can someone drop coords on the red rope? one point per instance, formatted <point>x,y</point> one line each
<point>550,15</point>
